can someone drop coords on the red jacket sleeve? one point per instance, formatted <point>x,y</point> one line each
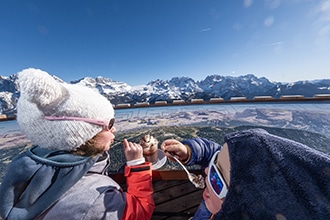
<point>139,201</point>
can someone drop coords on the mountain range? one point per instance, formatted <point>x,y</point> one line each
<point>177,88</point>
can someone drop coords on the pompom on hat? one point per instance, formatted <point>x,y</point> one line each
<point>42,95</point>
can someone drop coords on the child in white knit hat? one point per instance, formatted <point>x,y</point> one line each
<point>63,176</point>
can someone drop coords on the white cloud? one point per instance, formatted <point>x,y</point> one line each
<point>247,3</point>
<point>237,26</point>
<point>272,4</point>
<point>42,29</point>
<point>276,43</point>
<point>321,13</point>
<point>269,21</point>
<point>205,29</point>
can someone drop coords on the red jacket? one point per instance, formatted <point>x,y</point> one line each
<point>139,201</point>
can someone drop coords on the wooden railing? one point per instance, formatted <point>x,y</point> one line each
<point>283,98</point>
<point>256,99</point>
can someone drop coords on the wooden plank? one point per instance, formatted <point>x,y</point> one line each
<point>163,185</point>
<point>179,208</point>
<point>168,194</point>
<point>169,175</point>
<point>179,204</point>
<point>183,215</point>
<point>172,216</point>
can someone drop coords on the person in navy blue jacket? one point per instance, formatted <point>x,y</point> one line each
<point>257,175</point>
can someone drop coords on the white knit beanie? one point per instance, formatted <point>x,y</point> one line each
<point>42,95</point>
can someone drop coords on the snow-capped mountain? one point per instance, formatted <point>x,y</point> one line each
<point>183,88</point>
<point>8,94</point>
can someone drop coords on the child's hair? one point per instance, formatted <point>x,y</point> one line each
<point>89,149</point>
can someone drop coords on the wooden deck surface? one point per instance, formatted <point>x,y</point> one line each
<point>175,197</point>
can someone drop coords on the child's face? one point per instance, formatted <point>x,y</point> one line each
<point>105,138</point>
<point>213,203</point>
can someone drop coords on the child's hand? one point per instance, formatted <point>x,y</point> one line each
<point>132,151</point>
<point>174,148</point>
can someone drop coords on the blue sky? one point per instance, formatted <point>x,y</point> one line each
<point>136,41</point>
